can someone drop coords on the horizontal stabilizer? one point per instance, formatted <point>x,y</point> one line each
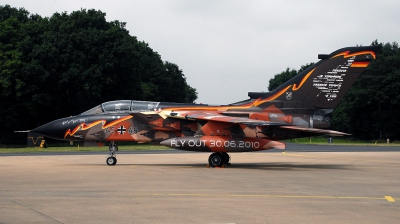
<point>315,130</point>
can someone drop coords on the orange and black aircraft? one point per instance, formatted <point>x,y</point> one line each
<point>298,108</point>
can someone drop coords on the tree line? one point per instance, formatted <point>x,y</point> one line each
<point>369,110</point>
<point>65,64</point>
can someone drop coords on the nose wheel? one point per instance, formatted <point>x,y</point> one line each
<point>219,159</point>
<point>111,161</point>
<point>112,148</point>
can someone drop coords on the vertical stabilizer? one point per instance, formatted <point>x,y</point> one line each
<point>325,83</point>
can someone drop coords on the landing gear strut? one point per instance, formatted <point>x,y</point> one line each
<point>219,159</point>
<point>112,148</point>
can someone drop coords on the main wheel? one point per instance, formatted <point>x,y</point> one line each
<point>216,159</point>
<point>227,158</point>
<point>111,161</point>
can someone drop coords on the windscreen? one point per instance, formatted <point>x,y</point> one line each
<point>94,110</point>
<point>113,106</point>
<point>116,106</point>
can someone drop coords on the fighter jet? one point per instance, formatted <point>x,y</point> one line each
<point>298,108</point>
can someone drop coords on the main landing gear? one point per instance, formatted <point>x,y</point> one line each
<point>112,148</point>
<point>219,159</point>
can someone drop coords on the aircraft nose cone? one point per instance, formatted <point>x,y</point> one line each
<point>54,129</point>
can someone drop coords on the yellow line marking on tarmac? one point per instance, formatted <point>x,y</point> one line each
<point>342,157</point>
<point>389,199</point>
<point>386,198</point>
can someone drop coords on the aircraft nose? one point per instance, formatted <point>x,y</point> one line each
<point>54,129</point>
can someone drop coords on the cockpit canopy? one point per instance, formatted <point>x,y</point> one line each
<point>123,106</point>
<point>126,106</point>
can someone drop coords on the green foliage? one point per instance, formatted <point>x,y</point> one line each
<point>167,85</point>
<point>63,65</point>
<point>12,22</point>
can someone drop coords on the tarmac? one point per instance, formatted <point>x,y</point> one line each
<point>303,184</point>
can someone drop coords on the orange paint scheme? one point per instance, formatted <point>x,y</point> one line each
<point>213,128</point>
<point>84,126</point>
<point>359,64</point>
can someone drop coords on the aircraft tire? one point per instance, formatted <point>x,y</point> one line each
<point>216,159</point>
<point>227,158</point>
<point>111,161</point>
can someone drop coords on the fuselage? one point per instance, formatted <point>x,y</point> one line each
<point>143,121</point>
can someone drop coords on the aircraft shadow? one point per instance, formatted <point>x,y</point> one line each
<point>257,166</point>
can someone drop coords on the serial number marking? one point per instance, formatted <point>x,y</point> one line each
<point>215,143</point>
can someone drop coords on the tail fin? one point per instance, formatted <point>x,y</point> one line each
<point>325,83</point>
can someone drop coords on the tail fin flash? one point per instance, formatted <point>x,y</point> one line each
<point>325,83</point>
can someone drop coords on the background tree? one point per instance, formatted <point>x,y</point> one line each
<point>168,85</point>
<point>68,63</point>
<point>12,22</point>
<point>163,81</point>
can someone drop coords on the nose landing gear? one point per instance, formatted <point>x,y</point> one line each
<point>112,148</point>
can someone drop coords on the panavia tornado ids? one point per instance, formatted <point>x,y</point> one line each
<point>298,108</point>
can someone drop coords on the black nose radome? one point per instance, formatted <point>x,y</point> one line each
<point>55,129</point>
